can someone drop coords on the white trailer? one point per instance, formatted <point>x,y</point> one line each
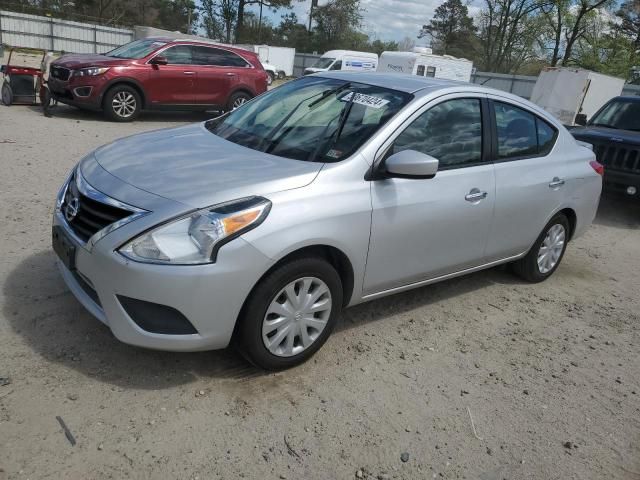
<point>567,92</point>
<point>281,59</point>
<point>424,63</point>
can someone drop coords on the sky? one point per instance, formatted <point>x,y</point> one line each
<point>383,19</point>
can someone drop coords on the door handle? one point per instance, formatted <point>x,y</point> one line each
<point>556,182</point>
<point>231,74</point>
<point>189,73</point>
<point>475,195</point>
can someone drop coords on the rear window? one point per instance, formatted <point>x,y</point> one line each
<point>217,57</point>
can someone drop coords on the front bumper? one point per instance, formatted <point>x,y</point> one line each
<point>618,182</point>
<point>83,92</point>
<point>209,296</point>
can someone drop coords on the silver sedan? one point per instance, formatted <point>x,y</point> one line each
<point>261,225</point>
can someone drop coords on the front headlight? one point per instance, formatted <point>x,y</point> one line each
<point>196,238</point>
<point>90,72</point>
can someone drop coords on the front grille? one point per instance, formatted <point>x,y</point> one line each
<point>87,216</point>
<point>60,73</point>
<point>624,158</point>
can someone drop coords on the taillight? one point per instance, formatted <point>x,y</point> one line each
<point>597,166</point>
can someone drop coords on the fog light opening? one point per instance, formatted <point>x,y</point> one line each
<point>632,190</point>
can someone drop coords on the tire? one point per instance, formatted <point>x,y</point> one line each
<point>270,77</point>
<point>237,99</point>
<point>7,94</point>
<point>535,269</point>
<point>122,103</point>
<point>257,322</point>
<point>281,75</point>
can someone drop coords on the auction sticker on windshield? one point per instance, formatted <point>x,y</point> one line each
<point>366,100</point>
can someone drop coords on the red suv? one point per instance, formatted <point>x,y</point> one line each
<point>158,73</point>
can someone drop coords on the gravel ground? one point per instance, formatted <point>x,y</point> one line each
<point>550,373</point>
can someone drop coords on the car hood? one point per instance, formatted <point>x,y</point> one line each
<point>192,166</point>
<point>80,60</point>
<point>603,134</point>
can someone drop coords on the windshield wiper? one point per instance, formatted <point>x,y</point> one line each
<point>329,93</point>
<point>344,114</point>
<point>604,125</point>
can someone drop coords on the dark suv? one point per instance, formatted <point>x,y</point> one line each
<point>614,132</point>
<point>158,73</point>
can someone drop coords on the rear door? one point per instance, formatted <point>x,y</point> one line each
<point>530,178</point>
<point>214,76</point>
<point>422,229</point>
<point>174,83</point>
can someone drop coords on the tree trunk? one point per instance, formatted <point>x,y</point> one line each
<point>240,21</point>
<point>558,39</point>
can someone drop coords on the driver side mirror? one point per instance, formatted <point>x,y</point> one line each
<point>581,119</point>
<point>159,60</point>
<point>411,164</point>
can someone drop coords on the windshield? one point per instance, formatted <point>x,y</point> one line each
<point>620,114</point>
<point>311,119</point>
<point>136,49</point>
<point>323,62</point>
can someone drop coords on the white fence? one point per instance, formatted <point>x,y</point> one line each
<point>53,34</point>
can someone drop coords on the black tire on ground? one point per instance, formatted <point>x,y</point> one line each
<point>7,94</point>
<point>527,267</point>
<point>237,99</point>
<point>270,77</point>
<point>122,103</point>
<point>248,337</point>
<point>281,75</point>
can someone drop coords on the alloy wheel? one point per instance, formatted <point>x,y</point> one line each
<point>124,104</point>
<point>551,248</point>
<point>296,317</point>
<point>239,102</point>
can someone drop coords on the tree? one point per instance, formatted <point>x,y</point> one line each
<point>451,29</point>
<point>242,4</point>
<point>629,15</point>
<point>406,44</point>
<point>509,30</point>
<point>336,23</point>
<point>211,23</point>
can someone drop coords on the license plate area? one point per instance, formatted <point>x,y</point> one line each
<point>64,247</point>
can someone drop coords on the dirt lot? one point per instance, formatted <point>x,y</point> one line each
<point>550,373</point>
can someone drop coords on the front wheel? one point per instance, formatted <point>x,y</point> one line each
<point>290,314</point>
<point>122,103</point>
<point>7,94</point>
<point>547,252</point>
<point>270,77</point>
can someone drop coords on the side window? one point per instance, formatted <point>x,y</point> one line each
<point>520,133</point>
<point>217,57</point>
<point>337,65</point>
<point>451,132</point>
<point>546,136</point>
<point>431,71</point>
<point>420,71</point>
<point>178,55</point>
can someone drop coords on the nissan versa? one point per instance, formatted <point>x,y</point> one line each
<point>261,225</point>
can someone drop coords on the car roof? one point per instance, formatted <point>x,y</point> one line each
<point>201,41</point>
<point>396,81</point>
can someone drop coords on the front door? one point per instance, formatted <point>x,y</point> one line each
<point>427,228</point>
<point>174,83</point>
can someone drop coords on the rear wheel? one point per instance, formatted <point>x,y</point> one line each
<point>270,77</point>
<point>7,94</point>
<point>237,100</point>
<point>122,103</point>
<point>290,314</point>
<point>546,254</point>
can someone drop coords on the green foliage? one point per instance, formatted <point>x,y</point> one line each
<point>451,30</point>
